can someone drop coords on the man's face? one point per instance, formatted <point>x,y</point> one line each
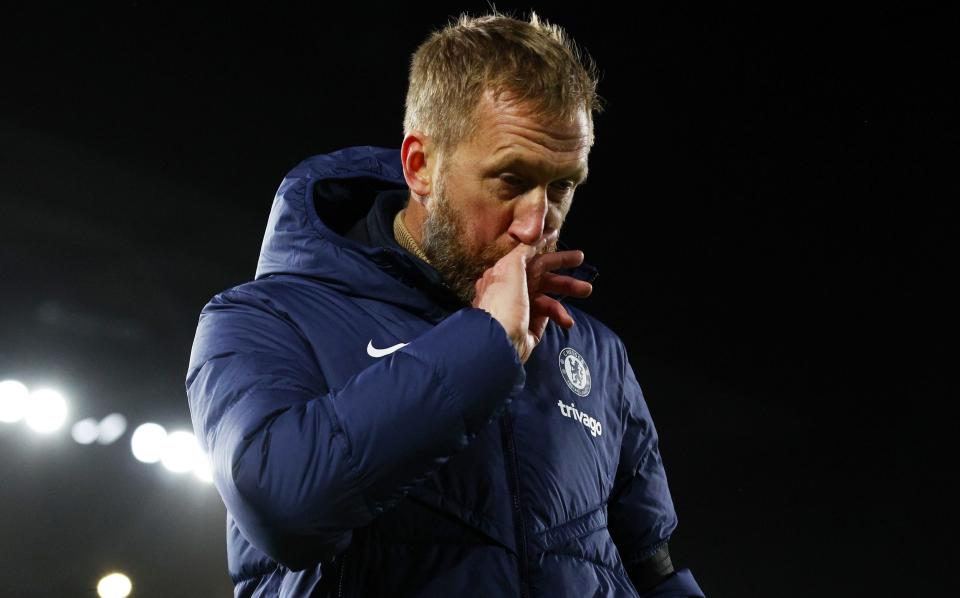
<point>513,183</point>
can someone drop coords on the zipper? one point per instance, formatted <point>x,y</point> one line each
<point>513,467</point>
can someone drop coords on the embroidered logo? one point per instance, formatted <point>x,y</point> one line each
<point>575,372</point>
<point>374,352</point>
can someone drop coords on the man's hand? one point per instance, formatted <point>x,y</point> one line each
<point>514,291</point>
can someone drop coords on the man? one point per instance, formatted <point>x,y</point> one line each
<point>400,403</point>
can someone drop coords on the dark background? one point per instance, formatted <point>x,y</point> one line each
<point>769,206</point>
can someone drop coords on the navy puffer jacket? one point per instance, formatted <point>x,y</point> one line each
<point>370,435</point>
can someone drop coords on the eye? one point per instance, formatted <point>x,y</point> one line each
<point>517,182</point>
<point>513,181</point>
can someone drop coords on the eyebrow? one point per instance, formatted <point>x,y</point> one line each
<point>514,161</point>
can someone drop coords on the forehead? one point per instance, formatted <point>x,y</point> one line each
<point>509,134</point>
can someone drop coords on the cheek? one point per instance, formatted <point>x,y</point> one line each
<point>487,227</point>
<point>489,240</point>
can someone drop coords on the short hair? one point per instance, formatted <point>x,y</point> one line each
<point>527,62</point>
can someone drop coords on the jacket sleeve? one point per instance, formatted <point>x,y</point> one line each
<point>640,512</point>
<point>299,465</point>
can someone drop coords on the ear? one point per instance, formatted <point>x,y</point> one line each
<point>417,157</point>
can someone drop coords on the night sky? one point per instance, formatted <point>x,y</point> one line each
<point>769,208</point>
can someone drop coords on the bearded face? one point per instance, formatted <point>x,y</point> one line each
<point>447,245</point>
<point>511,182</point>
<point>450,248</point>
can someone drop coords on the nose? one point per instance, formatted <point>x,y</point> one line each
<point>529,217</point>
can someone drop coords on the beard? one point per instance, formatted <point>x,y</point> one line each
<point>447,244</point>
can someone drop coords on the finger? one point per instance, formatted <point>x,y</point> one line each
<point>551,308</point>
<point>555,260</point>
<point>529,252</point>
<point>567,286</point>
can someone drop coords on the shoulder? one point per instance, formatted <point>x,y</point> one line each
<point>277,306</point>
<point>260,317</point>
<point>276,294</point>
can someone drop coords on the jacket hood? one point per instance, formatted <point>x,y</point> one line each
<point>319,201</point>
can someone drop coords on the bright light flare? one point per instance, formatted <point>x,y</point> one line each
<point>85,431</point>
<point>13,401</point>
<point>111,428</point>
<point>181,452</point>
<point>46,411</point>
<point>202,469</point>
<point>148,442</point>
<point>115,585</point>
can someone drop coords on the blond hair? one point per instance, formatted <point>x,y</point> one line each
<point>532,62</point>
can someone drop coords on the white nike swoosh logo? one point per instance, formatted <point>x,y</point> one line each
<point>374,352</point>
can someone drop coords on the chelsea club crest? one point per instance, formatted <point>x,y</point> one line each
<point>575,372</point>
